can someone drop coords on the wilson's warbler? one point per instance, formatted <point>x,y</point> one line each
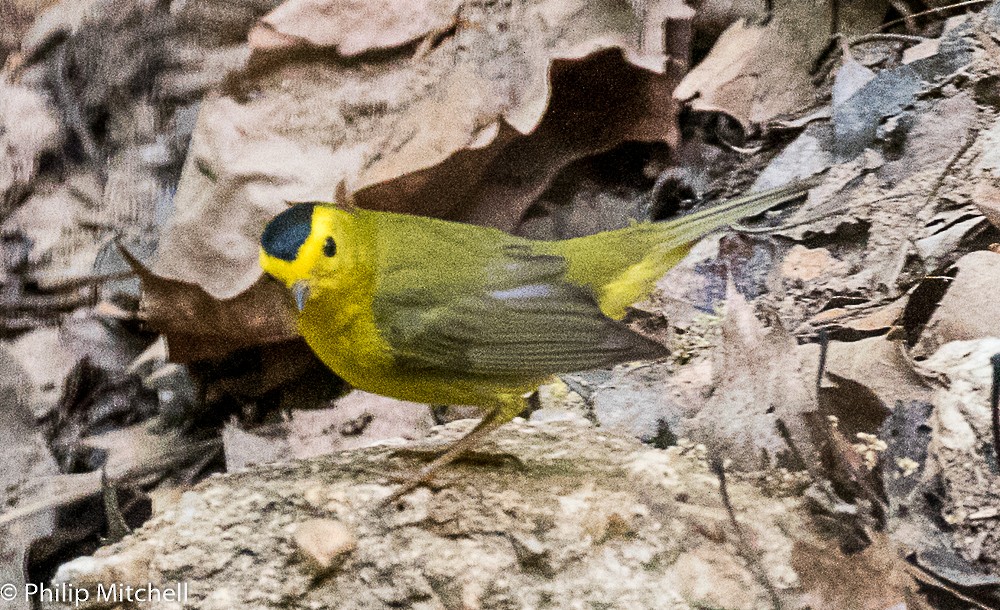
<point>440,312</point>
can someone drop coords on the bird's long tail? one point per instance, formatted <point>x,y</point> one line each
<point>631,260</point>
<point>693,226</point>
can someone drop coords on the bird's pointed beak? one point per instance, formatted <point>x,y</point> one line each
<point>300,290</point>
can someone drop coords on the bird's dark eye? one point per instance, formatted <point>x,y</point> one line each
<point>329,247</point>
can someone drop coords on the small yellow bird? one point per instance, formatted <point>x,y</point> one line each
<point>441,312</point>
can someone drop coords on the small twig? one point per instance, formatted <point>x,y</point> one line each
<point>434,38</point>
<point>927,578</point>
<point>821,70</point>
<point>904,10</point>
<point>43,304</point>
<point>944,173</point>
<point>931,11</point>
<point>823,64</point>
<point>886,37</point>
<point>745,549</point>
<point>743,150</point>
<point>824,348</point>
<point>70,106</point>
<point>995,405</point>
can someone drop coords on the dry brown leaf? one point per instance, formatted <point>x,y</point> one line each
<point>351,27</point>
<point>863,319</point>
<point>16,16</point>
<point>29,127</point>
<point>762,376</point>
<point>64,245</point>
<point>971,306</point>
<point>46,359</point>
<point>940,132</point>
<point>877,578</point>
<point>270,367</point>
<point>756,73</point>
<point>986,196</point>
<point>881,318</point>
<point>879,366</point>
<point>357,420</point>
<point>985,193</point>
<point>26,460</point>
<point>804,264</point>
<point>199,326</point>
<point>472,129</point>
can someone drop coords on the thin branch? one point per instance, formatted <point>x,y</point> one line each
<point>886,37</point>
<point>824,348</point>
<point>995,406</point>
<point>745,549</point>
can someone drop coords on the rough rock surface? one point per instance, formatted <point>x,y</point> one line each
<point>587,519</point>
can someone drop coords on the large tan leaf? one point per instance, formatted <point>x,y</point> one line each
<point>762,377</point>
<point>352,26</point>
<point>969,310</point>
<point>467,117</point>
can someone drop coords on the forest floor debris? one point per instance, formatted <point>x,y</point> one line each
<point>835,357</point>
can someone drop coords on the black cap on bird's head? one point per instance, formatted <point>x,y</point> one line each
<point>287,231</point>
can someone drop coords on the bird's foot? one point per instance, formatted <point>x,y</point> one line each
<point>504,412</point>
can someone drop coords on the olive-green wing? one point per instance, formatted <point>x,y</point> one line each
<point>520,318</point>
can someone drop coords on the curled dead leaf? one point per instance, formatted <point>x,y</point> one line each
<point>352,27</point>
<point>198,326</point>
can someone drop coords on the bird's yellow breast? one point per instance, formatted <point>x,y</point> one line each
<point>338,323</point>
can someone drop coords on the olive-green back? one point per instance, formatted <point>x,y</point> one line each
<point>476,301</point>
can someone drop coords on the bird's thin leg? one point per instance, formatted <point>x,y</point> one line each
<point>495,418</point>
